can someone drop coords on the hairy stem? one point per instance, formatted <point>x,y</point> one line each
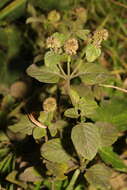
<point>73,180</point>
<point>115,87</point>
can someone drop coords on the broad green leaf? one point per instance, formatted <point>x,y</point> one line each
<point>54,151</point>
<point>39,132</point>
<point>108,133</point>
<point>13,10</point>
<point>113,111</point>
<point>91,73</point>
<point>98,176</point>
<point>52,59</point>
<point>30,174</point>
<point>86,140</point>
<point>92,53</point>
<point>44,74</point>
<point>72,113</point>
<point>110,157</point>
<point>82,34</point>
<point>57,170</point>
<point>87,106</point>
<point>74,96</point>
<point>24,125</point>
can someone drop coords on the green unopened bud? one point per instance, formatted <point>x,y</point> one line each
<point>54,16</point>
<point>71,46</point>
<point>49,105</point>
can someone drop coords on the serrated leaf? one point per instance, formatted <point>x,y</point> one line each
<point>108,133</point>
<point>98,176</point>
<point>110,157</point>
<point>43,74</point>
<point>54,151</point>
<point>86,140</point>
<point>82,34</point>
<point>92,52</point>
<point>113,111</point>
<point>93,74</point>
<point>23,126</point>
<point>87,106</point>
<point>72,113</point>
<point>39,132</point>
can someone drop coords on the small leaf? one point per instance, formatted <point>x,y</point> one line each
<point>39,132</point>
<point>98,176</point>
<point>93,74</point>
<point>52,59</point>
<point>54,151</point>
<point>74,96</point>
<point>72,113</point>
<point>92,53</point>
<point>85,138</point>
<point>110,157</point>
<point>82,34</point>
<point>22,126</point>
<point>87,106</point>
<point>44,74</point>
<point>57,170</point>
<point>108,133</point>
<point>30,174</point>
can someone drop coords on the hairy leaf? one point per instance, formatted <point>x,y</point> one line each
<point>92,53</point>
<point>54,151</point>
<point>44,74</point>
<point>108,133</point>
<point>86,140</point>
<point>39,132</point>
<point>92,73</point>
<point>98,176</point>
<point>72,113</point>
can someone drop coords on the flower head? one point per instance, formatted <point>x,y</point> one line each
<point>53,43</point>
<point>49,104</point>
<point>71,46</point>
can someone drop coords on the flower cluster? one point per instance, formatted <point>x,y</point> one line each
<point>99,36</point>
<point>71,46</point>
<point>53,43</point>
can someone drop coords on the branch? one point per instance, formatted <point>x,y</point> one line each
<point>115,87</point>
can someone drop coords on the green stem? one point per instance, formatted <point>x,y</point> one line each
<point>76,69</point>
<point>62,71</point>
<point>68,73</point>
<point>73,180</point>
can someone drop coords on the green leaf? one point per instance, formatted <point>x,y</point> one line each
<point>82,34</point>
<point>85,138</point>
<point>72,113</point>
<point>23,126</point>
<point>30,174</point>
<point>38,132</point>
<point>110,157</point>
<point>99,176</point>
<point>52,59</point>
<point>113,111</point>
<point>57,169</point>
<point>108,133</point>
<point>87,106</point>
<point>44,74</point>
<point>74,96</point>
<point>92,53</point>
<point>92,74</point>
<point>54,151</point>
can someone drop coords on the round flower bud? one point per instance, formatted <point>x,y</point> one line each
<point>54,16</point>
<point>49,105</point>
<point>99,36</point>
<point>18,89</point>
<point>71,46</point>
